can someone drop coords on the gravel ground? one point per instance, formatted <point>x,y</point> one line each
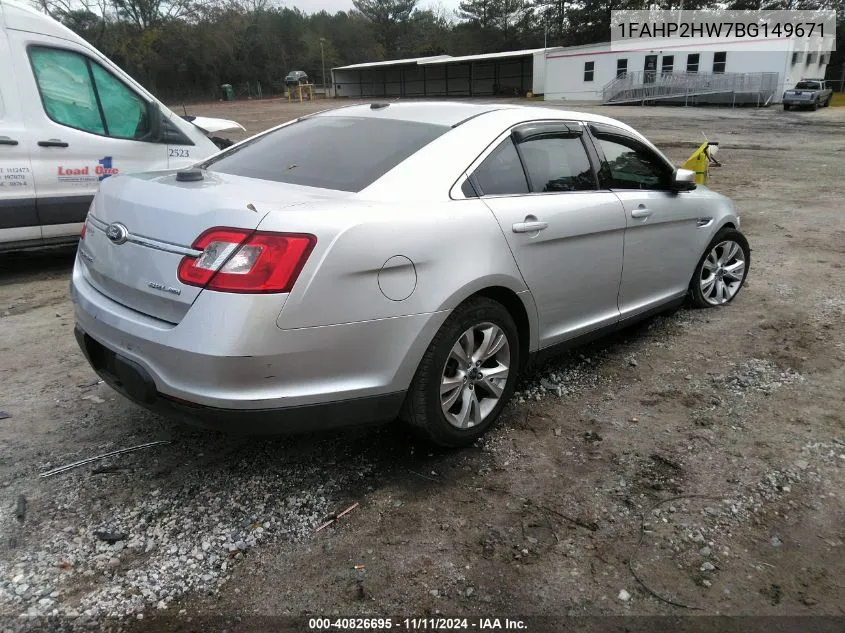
<point>693,462</point>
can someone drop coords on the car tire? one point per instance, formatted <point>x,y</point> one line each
<point>827,102</point>
<point>815,106</point>
<point>474,324</point>
<point>722,270</point>
<point>786,107</point>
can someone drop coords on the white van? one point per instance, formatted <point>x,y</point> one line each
<point>70,118</point>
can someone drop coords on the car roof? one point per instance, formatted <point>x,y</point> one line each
<point>448,113</point>
<point>453,113</point>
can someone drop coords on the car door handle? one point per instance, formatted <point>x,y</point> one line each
<point>53,142</point>
<point>531,226</point>
<point>641,212</point>
<point>5,140</point>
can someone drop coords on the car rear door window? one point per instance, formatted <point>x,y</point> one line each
<point>557,164</point>
<point>330,152</point>
<point>501,172</point>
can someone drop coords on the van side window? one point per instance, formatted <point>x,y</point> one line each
<point>124,111</point>
<point>67,91</point>
<point>81,94</point>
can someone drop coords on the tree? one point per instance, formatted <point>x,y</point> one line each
<point>482,13</point>
<point>428,32</point>
<point>389,18</point>
<point>552,16</point>
<point>593,19</point>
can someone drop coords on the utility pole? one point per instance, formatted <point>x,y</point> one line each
<point>323,63</point>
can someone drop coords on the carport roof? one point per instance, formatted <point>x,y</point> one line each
<point>393,62</point>
<point>482,57</point>
<point>444,59</point>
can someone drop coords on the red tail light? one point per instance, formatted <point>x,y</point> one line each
<point>240,260</point>
<point>84,228</point>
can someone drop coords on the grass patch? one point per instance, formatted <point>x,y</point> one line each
<point>838,99</point>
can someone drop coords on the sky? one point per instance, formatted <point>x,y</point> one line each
<point>314,6</point>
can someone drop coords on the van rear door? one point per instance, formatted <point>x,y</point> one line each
<point>18,213</point>
<point>86,122</point>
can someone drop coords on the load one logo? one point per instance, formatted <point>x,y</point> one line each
<point>104,168</point>
<point>102,171</point>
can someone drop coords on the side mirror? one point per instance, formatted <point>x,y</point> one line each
<point>683,180</point>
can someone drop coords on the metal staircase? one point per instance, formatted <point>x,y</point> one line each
<point>691,88</point>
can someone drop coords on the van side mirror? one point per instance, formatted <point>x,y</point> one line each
<point>683,180</point>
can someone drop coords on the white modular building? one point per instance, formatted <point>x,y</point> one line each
<point>704,74</point>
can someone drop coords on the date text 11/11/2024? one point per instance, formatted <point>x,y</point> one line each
<point>416,624</point>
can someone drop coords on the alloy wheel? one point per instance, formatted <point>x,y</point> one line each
<point>475,375</point>
<point>722,273</point>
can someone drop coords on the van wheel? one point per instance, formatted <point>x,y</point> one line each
<point>466,376</point>
<point>722,270</point>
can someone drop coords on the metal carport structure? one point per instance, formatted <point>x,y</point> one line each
<point>507,73</point>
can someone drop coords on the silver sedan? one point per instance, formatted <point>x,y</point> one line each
<point>384,261</point>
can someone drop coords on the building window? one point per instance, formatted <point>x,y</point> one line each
<point>822,59</point>
<point>692,63</point>
<point>811,57</point>
<point>589,69</point>
<point>795,58</point>
<point>668,64</point>
<point>621,67</point>
<point>719,62</point>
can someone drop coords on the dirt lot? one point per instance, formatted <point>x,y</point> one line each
<point>694,465</point>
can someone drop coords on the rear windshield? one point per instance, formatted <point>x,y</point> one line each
<point>808,85</point>
<point>342,153</point>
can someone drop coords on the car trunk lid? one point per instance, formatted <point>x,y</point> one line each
<point>140,227</point>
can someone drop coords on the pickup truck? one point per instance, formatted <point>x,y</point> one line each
<point>808,93</point>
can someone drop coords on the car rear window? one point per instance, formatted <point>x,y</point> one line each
<point>329,152</point>
<point>808,85</point>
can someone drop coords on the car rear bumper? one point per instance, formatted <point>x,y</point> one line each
<point>224,364</point>
<point>134,382</point>
<point>798,102</point>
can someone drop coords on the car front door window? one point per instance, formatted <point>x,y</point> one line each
<point>629,164</point>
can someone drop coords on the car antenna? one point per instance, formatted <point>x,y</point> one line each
<point>184,109</point>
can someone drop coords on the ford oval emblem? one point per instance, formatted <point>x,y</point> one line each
<point>117,233</point>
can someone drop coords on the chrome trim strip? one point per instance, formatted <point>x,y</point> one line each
<point>163,246</point>
<point>140,240</point>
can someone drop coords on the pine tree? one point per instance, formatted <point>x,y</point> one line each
<point>390,20</point>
